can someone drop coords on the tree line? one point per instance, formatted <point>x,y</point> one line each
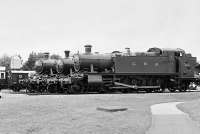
<point>29,64</point>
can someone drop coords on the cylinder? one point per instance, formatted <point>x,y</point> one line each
<point>46,66</point>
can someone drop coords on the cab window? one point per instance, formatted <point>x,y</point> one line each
<point>2,76</point>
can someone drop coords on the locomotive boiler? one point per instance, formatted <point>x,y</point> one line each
<point>66,65</point>
<point>92,62</point>
<point>46,65</point>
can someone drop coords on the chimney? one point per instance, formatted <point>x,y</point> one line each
<point>46,55</point>
<point>88,49</point>
<point>67,53</point>
<point>128,51</point>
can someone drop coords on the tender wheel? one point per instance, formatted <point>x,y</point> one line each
<point>101,89</point>
<point>66,89</point>
<point>148,90</point>
<point>51,88</point>
<point>172,90</point>
<point>161,90</point>
<point>182,90</point>
<point>74,89</point>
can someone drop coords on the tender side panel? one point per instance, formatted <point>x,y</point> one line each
<point>145,64</point>
<point>19,76</point>
<point>3,79</point>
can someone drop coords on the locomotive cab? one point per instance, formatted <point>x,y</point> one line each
<point>185,63</point>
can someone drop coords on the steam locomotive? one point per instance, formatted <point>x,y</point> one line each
<point>151,71</point>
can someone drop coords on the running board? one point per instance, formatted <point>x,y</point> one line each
<point>135,86</point>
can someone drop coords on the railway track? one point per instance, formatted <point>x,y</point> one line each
<point>140,92</point>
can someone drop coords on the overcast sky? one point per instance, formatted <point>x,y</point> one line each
<point>108,25</point>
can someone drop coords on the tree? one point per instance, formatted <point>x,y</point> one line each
<point>30,63</point>
<point>33,57</point>
<point>5,60</point>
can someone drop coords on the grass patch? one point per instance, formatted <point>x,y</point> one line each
<point>75,114</point>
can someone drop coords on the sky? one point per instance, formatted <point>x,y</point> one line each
<point>108,25</point>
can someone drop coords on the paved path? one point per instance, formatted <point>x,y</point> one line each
<point>167,119</point>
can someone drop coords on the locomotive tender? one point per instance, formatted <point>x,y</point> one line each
<point>14,79</point>
<point>154,70</point>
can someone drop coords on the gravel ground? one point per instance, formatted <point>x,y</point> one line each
<point>74,114</point>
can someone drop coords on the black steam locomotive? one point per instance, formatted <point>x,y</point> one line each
<point>151,71</point>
